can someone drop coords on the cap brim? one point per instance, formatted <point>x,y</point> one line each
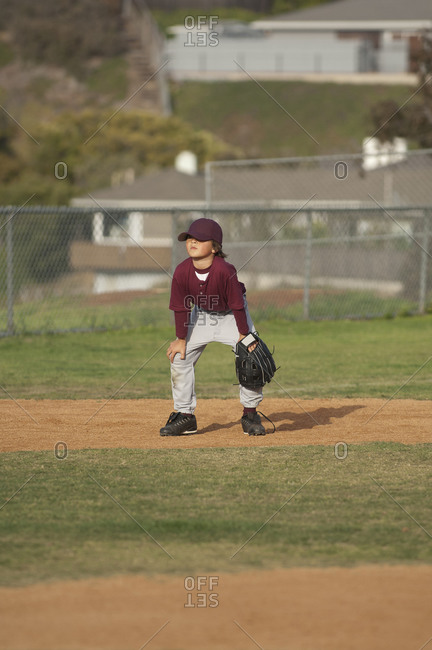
<point>200,236</point>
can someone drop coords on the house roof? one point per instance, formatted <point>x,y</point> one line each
<point>404,183</point>
<point>165,185</point>
<point>360,10</point>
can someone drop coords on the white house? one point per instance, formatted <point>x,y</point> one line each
<point>131,246</point>
<point>344,37</point>
<point>388,29</point>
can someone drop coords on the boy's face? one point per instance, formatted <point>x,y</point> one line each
<point>199,249</point>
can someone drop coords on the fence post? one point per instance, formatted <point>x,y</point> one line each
<point>424,264</point>
<point>307,268</point>
<point>10,277</point>
<point>174,241</point>
<point>208,182</point>
<point>174,249</point>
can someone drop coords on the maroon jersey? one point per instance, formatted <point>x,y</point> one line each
<point>220,292</point>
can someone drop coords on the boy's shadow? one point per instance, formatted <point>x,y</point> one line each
<point>310,419</point>
<point>217,426</point>
<point>301,420</point>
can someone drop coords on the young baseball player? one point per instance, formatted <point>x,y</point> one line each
<point>220,313</point>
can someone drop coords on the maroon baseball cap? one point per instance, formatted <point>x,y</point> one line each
<point>203,230</point>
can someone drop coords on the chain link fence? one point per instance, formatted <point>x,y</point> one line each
<point>385,175</point>
<point>64,268</point>
<point>382,176</point>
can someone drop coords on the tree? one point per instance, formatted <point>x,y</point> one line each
<point>86,148</point>
<point>64,33</point>
<point>420,115</point>
<point>9,165</point>
<point>414,119</point>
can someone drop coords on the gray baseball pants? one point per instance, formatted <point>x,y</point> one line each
<point>204,328</point>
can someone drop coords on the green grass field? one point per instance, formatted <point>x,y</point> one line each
<point>349,358</point>
<point>123,511</point>
<point>103,512</point>
<point>261,128</point>
<point>61,314</point>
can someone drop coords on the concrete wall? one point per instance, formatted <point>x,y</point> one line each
<point>339,266</point>
<point>282,53</point>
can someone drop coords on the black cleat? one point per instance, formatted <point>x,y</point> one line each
<point>179,424</point>
<point>251,423</point>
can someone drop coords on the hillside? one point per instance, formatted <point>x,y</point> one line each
<point>276,119</point>
<point>51,103</point>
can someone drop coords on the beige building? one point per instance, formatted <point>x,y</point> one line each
<point>131,245</point>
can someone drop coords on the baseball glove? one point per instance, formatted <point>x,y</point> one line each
<point>256,367</point>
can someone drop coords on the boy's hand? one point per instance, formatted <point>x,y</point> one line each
<point>251,347</point>
<point>177,347</point>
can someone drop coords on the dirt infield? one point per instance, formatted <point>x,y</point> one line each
<point>376,607</point>
<point>367,608</point>
<point>34,425</point>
